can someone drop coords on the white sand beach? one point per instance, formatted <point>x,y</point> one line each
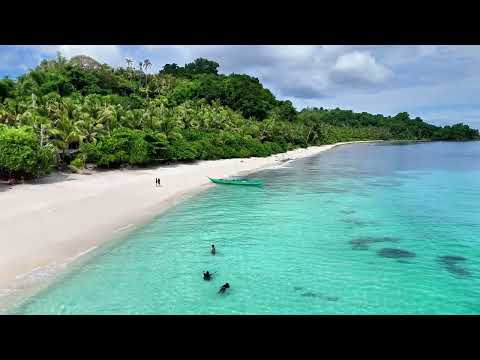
<point>49,224</point>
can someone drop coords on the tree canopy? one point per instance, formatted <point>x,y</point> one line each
<point>197,67</point>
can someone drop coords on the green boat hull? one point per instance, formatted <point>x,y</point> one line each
<point>247,182</point>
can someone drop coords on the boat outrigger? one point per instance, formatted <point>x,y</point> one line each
<point>252,182</point>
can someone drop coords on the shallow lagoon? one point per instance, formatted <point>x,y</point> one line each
<point>360,229</point>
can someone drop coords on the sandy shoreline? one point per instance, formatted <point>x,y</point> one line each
<point>49,225</point>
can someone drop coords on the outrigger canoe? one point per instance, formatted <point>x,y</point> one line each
<point>253,182</point>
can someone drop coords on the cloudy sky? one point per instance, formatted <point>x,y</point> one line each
<point>438,83</point>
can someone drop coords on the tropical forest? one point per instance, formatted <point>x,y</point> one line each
<point>67,114</point>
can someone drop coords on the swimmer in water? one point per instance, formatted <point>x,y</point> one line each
<point>224,288</point>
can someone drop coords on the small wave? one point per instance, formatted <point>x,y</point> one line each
<point>40,272</point>
<point>81,254</point>
<point>5,292</point>
<point>123,228</point>
<point>21,276</point>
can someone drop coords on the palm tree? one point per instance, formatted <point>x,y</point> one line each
<point>146,65</point>
<point>108,116</point>
<point>88,127</point>
<point>132,119</point>
<point>53,109</point>
<point>66,133</point>
<point>40,124</point>
<point>170,126</point>
<point>34,101</point>
<point>5,115</point>
<point>129,62</point>
<point>140,64</point>
<point>129,67</point>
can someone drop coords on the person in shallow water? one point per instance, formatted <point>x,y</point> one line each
<point>207,276</point>
<point>213,251</point>
<point>224,288</point>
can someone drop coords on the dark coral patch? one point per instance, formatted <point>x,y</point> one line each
<point>457,270</point>
<point>332,298</point>
<point>363,243</point>
<point>395,253</point>
<point>451,258</point>
<point>320,296</point>
<point>450,262</point>
<point>359,246</point>
<point>359,222</point>
<point>331,190</point>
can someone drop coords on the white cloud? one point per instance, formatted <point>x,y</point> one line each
<point>47,49</point>
<point>427,77</point>
<point>358,65</point>
<point>426,50</point>
<point>448,103</point>
<point>110,54</point>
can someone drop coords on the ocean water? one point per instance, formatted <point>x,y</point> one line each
<point>360,229</point>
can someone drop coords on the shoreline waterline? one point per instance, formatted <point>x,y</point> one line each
<point>53,226</point>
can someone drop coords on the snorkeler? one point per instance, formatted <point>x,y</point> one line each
<point>213,251</point>
<point>224,288</point>
<point>207,276</point>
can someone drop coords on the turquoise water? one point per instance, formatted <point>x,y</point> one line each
<point>317,239</point>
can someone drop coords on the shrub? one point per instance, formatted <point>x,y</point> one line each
<point>139,151</point>
<point>21,154</point>
<point>181,149</point>
<point>79,162</point>
<point>157,146</point>
<point>122,146</point>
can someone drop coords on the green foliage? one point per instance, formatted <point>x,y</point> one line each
<point>65,78</point>
<point>246,94</point>
<point>21,154</point>
<point>240,93</point>
<point>199,66</point>
<point>183,91</point>
<point>399,127</point>
<point>6,88</point>
<point>78,162</point>
<point>86,111</point>
<point>121,146</point>
<point>456,132</point>
<point>157,146</point>
<point>284,110</point>
<point>181,149</point>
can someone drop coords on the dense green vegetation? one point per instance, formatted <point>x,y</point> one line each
<point>21,153</point>
<point>69,113</point>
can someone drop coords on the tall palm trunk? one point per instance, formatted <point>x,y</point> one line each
<point>41,135</point>
<point>308,136</point>
<point>146,83</point>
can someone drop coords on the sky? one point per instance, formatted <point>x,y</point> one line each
<point>439,83</point>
